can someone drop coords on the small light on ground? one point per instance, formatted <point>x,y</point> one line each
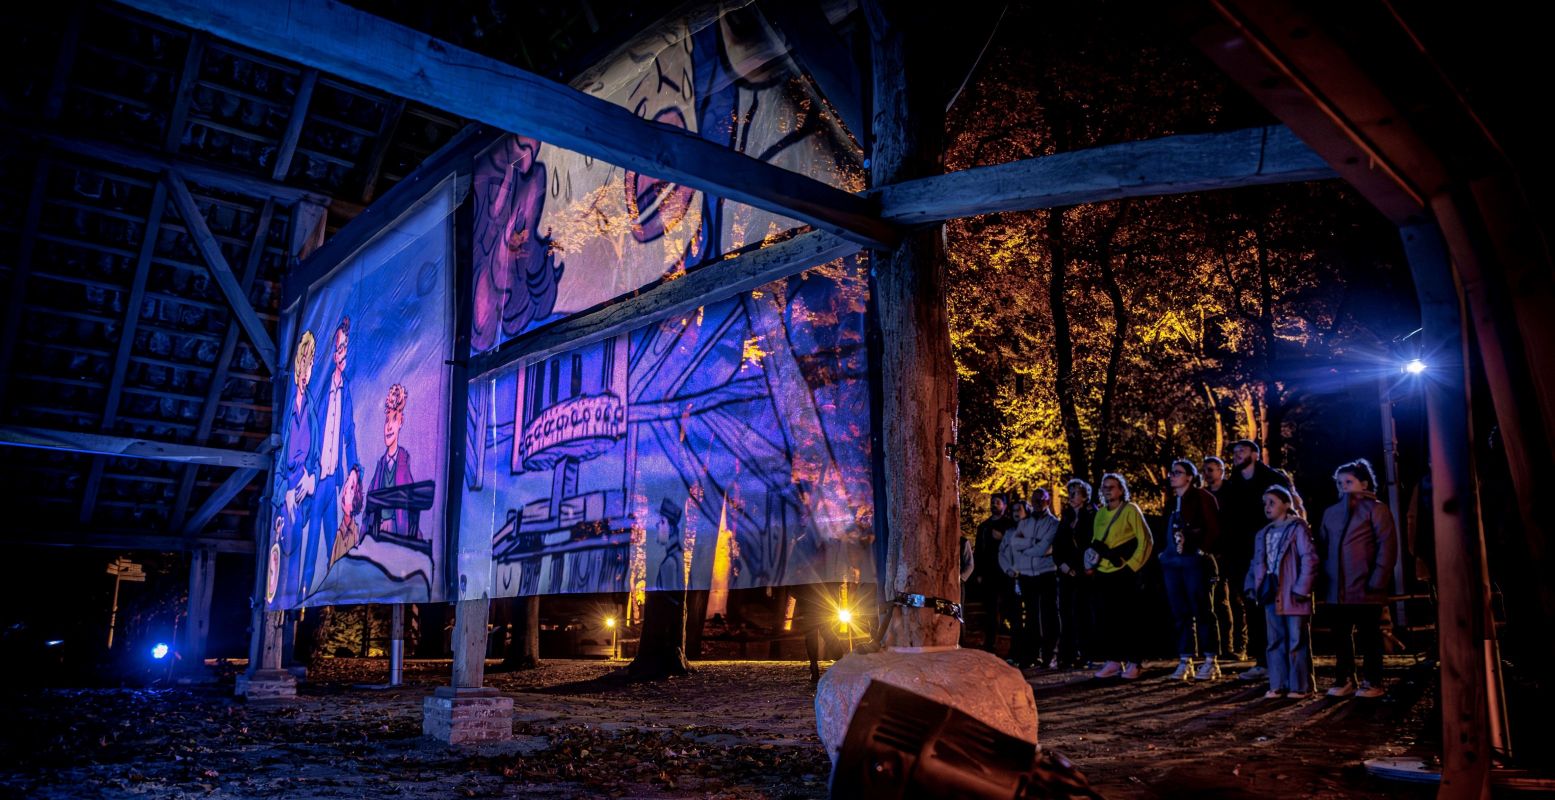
<point>1415,366</point>
<point>610,622</point>
<point>844,616</point>
<point>54,643</point>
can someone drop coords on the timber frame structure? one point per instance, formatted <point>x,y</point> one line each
<point>1402,136</point>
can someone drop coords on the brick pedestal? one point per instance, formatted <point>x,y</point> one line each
<point>457,716</point>
<point>267,684</point>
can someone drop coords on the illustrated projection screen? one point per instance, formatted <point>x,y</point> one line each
<point>730,445</point>
<point>357,515</point>
<point>723,449</point>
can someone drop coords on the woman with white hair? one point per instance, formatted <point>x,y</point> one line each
<point>1120,548</point>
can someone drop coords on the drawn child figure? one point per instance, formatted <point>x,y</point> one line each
<point>394,465</point>
<point>348,534</point>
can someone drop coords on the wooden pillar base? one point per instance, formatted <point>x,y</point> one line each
<point>457,716</point>
<point>267,684</point>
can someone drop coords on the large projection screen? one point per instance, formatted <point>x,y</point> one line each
<point>357,512</point>
<point>729,446</point>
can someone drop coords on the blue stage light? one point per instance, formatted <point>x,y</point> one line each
<point>159,652</point>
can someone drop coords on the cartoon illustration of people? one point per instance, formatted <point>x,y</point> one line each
<point>294,474</point>
<point>349,534</point>
<point>394,465</point>
<point>334,452</point>
<point>671,573</point>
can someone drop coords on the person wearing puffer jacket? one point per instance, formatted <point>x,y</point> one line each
<point>1120,548</point>
<point>1358,545</point>
<point>1284,555</point>
<point>1026,555</point>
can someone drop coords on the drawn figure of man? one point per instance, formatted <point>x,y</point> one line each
<point>295,472</point>
<point>394,465</point>
<point>334,452</point>
<point>671,574</point>
<point>349,534</point>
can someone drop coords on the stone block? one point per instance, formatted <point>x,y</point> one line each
<point>267,684</point>
<point>457,716</point>
<point>973,681</point>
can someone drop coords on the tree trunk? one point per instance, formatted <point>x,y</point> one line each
<point>1114,363</point>
<point>918,373</point>
<point>523,645</point>
<point>696,618</point>
<point>1063,345</point>
<point>1272,417</point>
<point>662,651</point>
<point>1214,415</point>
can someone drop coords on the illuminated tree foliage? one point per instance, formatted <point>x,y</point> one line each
<point>1115,336</point>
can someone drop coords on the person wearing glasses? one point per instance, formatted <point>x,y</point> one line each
<point>1358,544</point>
<point>1192,526</point>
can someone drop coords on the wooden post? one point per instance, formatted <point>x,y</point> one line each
<point>917,372</point>
<point>1462,580</point>
<point>467,711</point>
<point>202,575</point>
<point>469,643</point>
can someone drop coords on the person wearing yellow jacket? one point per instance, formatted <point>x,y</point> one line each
<point>1120,548</point>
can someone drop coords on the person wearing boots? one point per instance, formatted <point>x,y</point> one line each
<point>1280,580</point>
<point>1358,544</point>
<point>1192,526</point>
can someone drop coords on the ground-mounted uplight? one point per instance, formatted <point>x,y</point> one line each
<point>844,616</point>
<point>54,643</point>
<point>1414,366</point>
<point>159,651</point>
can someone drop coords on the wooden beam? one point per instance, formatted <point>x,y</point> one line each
<point>682,295</point>
<point>229,346</point>
<point>1463,585</point>
<point>336,38</point>
<point>121,361</point>
<point>1154,167</point>
<point>65,61</point>
<point>218,499</point>
<point>237,300</point>
<point>917,368</point>
<point>157,162</point>
<point>185,92</point>
<point>815,45</point>
<point>197,630</point>
<point>126,540</point>
<point>137,296</point>
<point>456,155</point>
<point>386,131</point>
<point>125,447</point>
<point>1232,35</point>
<point>21,271</point>
<point>283,156</point>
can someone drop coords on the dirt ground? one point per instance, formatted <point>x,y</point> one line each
<point>738,729</point>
